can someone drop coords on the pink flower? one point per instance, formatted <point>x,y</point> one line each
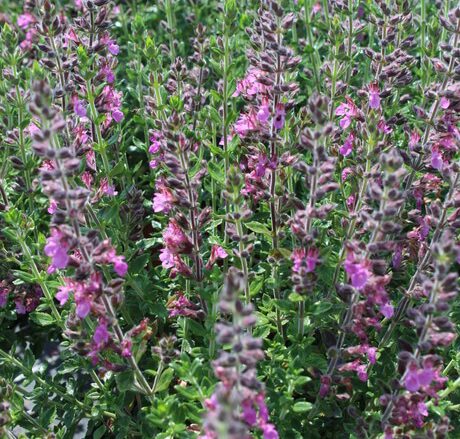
<point>415,378</point>
<point>101,334</point>
<point>374,96</point>
<point>4,292</point>
<point>387,310</point>
<point>414,139</point>
<point>348,110</point>
<point>217,252</point>
<point>106,188</point>
<point>87,179</point>
<point>444,103</point>
<point>176,241</point>
<point>79,107</point>
<point>383,127</point>
<point>126,348</point>
<point>346,173</point>
<point>264,113</point>
<point>358,272</point>
<point>25,20</point>
<point>118,261</point>
<point>117,116</point>
<point>56,247</point>
<point>347,147</point>
<point>63,292</point>
<point>163,200</point>
<point>436,159</point>
<point>280,116</point>
<point>113,48</point>
<point>269,431</point>
<point>166,258</point>
<point>52,207</point>
<point>245,124</point>
<point>304,259</point>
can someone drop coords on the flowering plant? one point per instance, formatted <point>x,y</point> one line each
<point>232,220</point>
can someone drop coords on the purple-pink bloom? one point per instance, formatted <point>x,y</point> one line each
<point>347,147</point>
<point>348,110</point>
<point>387,310</point>
<point>269,431</point>
<point>280,117</point>
<point>79,107</point>
<point>357,271</point>
<point>374,96</point>
<point>436,159</point>
<point>101,334</point>
<point>56,248</point>
<point>444,103</point>
<point>264,113</point>
<point>25,20</point>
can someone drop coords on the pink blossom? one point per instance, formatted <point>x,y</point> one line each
<point>126,348</point>
<point>106,188</point>
<point>414,139</point>
<point>280,116</point>
<point>217,252</point>
<point>101,334</point>
<point>79,107</point>
<point>264,113</point>
<point>52,207</point>
<point>118,261</point>
<point>87,179</point>
<point>4,292</point>
<point>374,96</point>
<point>176,241</point>
<point>346,173</point>
<point>387,310</point>
<point>56,247</point>
<point>166,258</point>
<point>304,259</point>
<point>63,292</point>
<point>25,20</point>
<point>245,124</point>
<point>348,110</point>
<point>415,378</point>
<point>359,273</point>
<point>163,200</point>
<point>347,147</point>
<point>444,103</point>
<point>436,159</point>
<point>269,431</point>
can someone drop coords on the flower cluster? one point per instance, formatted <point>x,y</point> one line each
<point>238,402</point>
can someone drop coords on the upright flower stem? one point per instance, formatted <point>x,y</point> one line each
<point>350,41</point>
<point>313,54</point>
<point>144,386</point>
<point>405,301</point>
<point>433,112</point>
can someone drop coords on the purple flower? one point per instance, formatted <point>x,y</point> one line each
<point>101,334</point>
<point>280,116</point>
<point>387,310</point>
<point>415,378</point>
<point>348,110</point>
<point>358,272</point>
<point>347,147</point>
<point>264,113</point>
<point>436,159</point>
<point>374,96</point>
<point>4,291</point>
<point>117,116</point>
<point>269,431</point>
<point>56,248</point>
<point>25,20</point>
<point>79,107</point>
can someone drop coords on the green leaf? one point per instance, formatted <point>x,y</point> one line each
<point>258,227</point>
<point>165,380</point>
<point>216,172</point>
<point>136,265</point>
<point>302,407</point>
<point>42,318</point>
<point>125,381</point>
<point>99,432</point>
<point>196,328</point>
